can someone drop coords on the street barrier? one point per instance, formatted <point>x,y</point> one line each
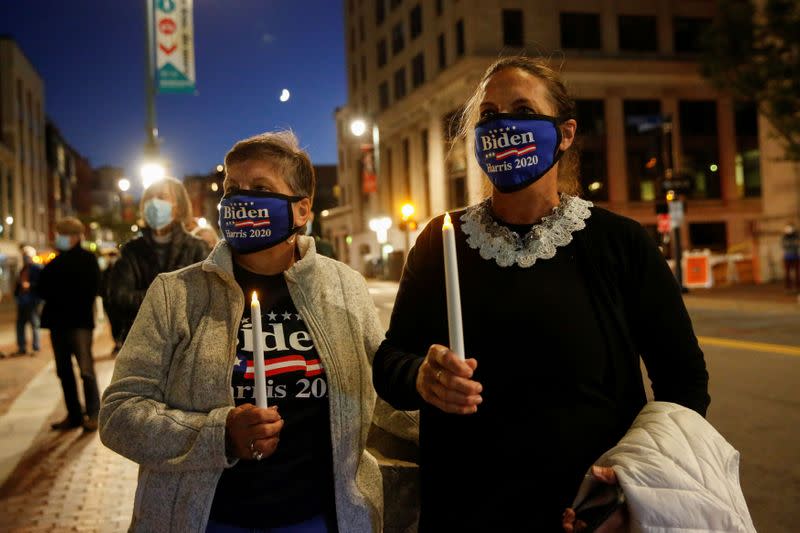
<point>697,270</point>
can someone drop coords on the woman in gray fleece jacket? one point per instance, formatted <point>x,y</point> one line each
<point>182,402</point>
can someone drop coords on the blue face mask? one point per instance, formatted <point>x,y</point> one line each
<point>158,213</point>
<point>252,221</point>
<point>63,242</point>
<point>516,149</point>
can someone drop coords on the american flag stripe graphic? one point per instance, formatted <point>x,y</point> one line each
<point>286,364</point>
<point>245,223</point>
<point>514,151</point>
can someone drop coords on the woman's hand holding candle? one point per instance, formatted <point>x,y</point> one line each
<point>444,380</point>
<point>252,433</point>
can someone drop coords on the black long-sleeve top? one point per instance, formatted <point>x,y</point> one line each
<point>558,347</point>
<point>139,264</point>
<point>68,285</point>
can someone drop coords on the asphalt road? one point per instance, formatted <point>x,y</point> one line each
<point>753,360</point>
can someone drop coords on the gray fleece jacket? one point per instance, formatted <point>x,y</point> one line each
<point>171,391</point>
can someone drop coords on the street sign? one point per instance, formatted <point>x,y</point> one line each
<point>644,123</point>
<point>679,184</point>
<point>676,213</point>
<point>664,223</point>
<point>174,34</point>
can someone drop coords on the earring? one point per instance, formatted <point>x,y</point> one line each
<point>292,239</point>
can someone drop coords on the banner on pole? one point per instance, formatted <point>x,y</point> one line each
<point>369,177</point>
<point>174,35</point>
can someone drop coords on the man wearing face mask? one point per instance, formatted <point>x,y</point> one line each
<point>69,285</point>
<point>164,246</point>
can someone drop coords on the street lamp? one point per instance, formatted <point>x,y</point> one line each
<point>152,172</point>
<point>408,223</point>
<point>380,226</point>
<point>358,127</point>
<point>124,184</point>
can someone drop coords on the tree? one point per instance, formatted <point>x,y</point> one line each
<point>753,52</point>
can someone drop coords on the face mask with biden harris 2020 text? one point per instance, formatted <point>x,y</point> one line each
<point>516,149</point>
<point>252,221</point>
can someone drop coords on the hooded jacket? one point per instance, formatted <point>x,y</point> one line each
<point>170,394</point>
<point>678,474</point>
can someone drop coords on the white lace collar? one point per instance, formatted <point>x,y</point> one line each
<point>506,247</point>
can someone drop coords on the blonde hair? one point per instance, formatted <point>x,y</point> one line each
<point>183,203</point>
<point>280,148</point>
<point>562,102</point>
<point>70,226</point>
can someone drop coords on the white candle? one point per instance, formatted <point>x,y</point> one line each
<point>258,353</point>
<point>451,285</point>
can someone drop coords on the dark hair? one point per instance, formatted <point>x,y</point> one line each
<point>569,164</point>
<point>281,148</point>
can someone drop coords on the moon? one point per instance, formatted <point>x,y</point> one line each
<point>285,95</point>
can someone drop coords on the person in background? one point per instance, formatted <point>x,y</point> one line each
<point>559,300</point>
<point>164,246</point>
<point>69,285</point>
<point>181,402</point>
<point>107,262</point>
<point>207,234</point>
<point>28,302</point>
<point>323,246</point>
<point>790,242</point>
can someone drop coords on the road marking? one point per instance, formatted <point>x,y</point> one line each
<point>754,346</point>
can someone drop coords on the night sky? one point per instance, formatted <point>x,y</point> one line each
<point>90,54</point>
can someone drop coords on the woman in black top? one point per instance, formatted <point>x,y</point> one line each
<point>559,301</point>
<point>164,246</point>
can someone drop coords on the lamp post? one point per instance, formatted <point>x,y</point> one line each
<point>151,172</point>
<point>151,146</point>
<point>152,169</point>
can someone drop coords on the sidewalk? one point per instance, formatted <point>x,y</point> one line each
<point>68,481</point>
<point>55,481</point>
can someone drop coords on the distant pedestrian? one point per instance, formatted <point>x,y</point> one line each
<point>791,256</point>
<point>106,267</point>
<point>69,285</point>
<point>28,302</point>
<point>208,234</point>
<point>164,246</point>
<point>324,247</point>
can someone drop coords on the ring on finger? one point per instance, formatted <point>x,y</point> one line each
<point>253,446</point>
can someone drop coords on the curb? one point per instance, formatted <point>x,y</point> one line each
<point>730,304</point>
